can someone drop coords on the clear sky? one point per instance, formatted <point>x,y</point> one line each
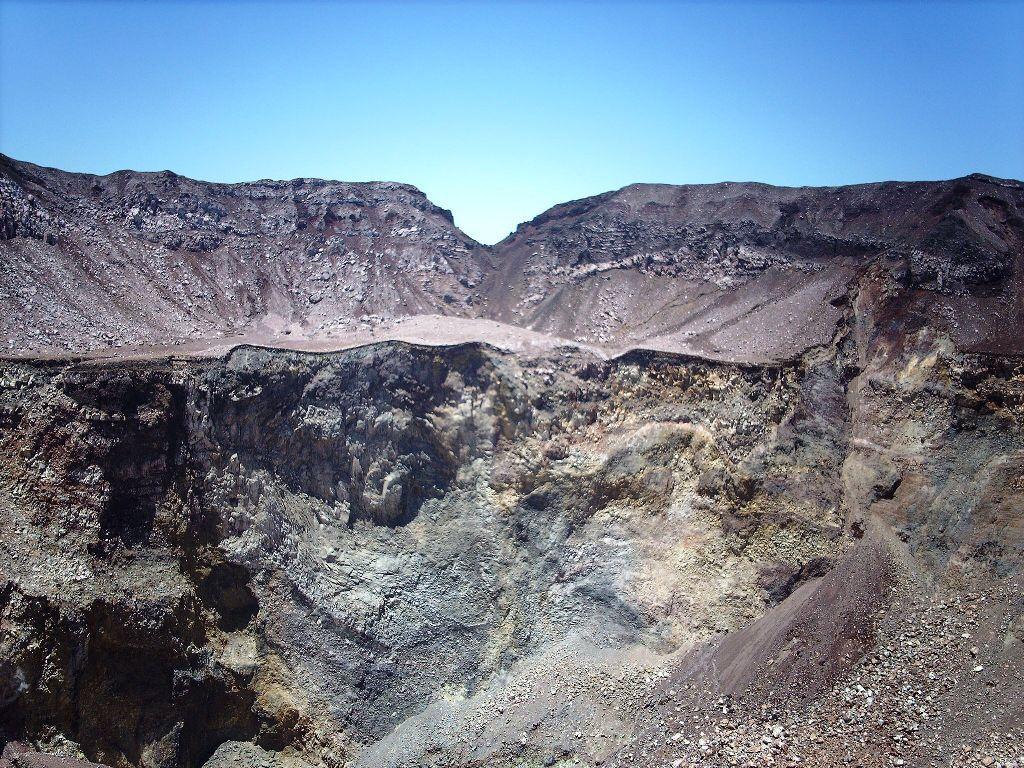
<point>499,110</point>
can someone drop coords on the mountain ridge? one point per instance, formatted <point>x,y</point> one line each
<point>158,260</point>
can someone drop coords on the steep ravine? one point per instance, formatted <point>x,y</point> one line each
<point>401,555</point>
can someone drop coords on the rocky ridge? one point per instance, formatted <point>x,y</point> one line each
<point>156,258</point>
<point>741,272</point>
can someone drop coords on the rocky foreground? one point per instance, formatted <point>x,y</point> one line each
<point>743,484</point>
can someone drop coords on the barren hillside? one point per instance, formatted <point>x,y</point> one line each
<point>730,271</point>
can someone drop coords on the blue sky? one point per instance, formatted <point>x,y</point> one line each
<point>499,110</point>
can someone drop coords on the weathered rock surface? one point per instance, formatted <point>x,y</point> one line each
<point>802,549</point>
<point>155,258</point>
<point>738,272</point>
<point>754,272</point>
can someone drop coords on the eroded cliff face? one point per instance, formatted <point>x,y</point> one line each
<point>400,555</point>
